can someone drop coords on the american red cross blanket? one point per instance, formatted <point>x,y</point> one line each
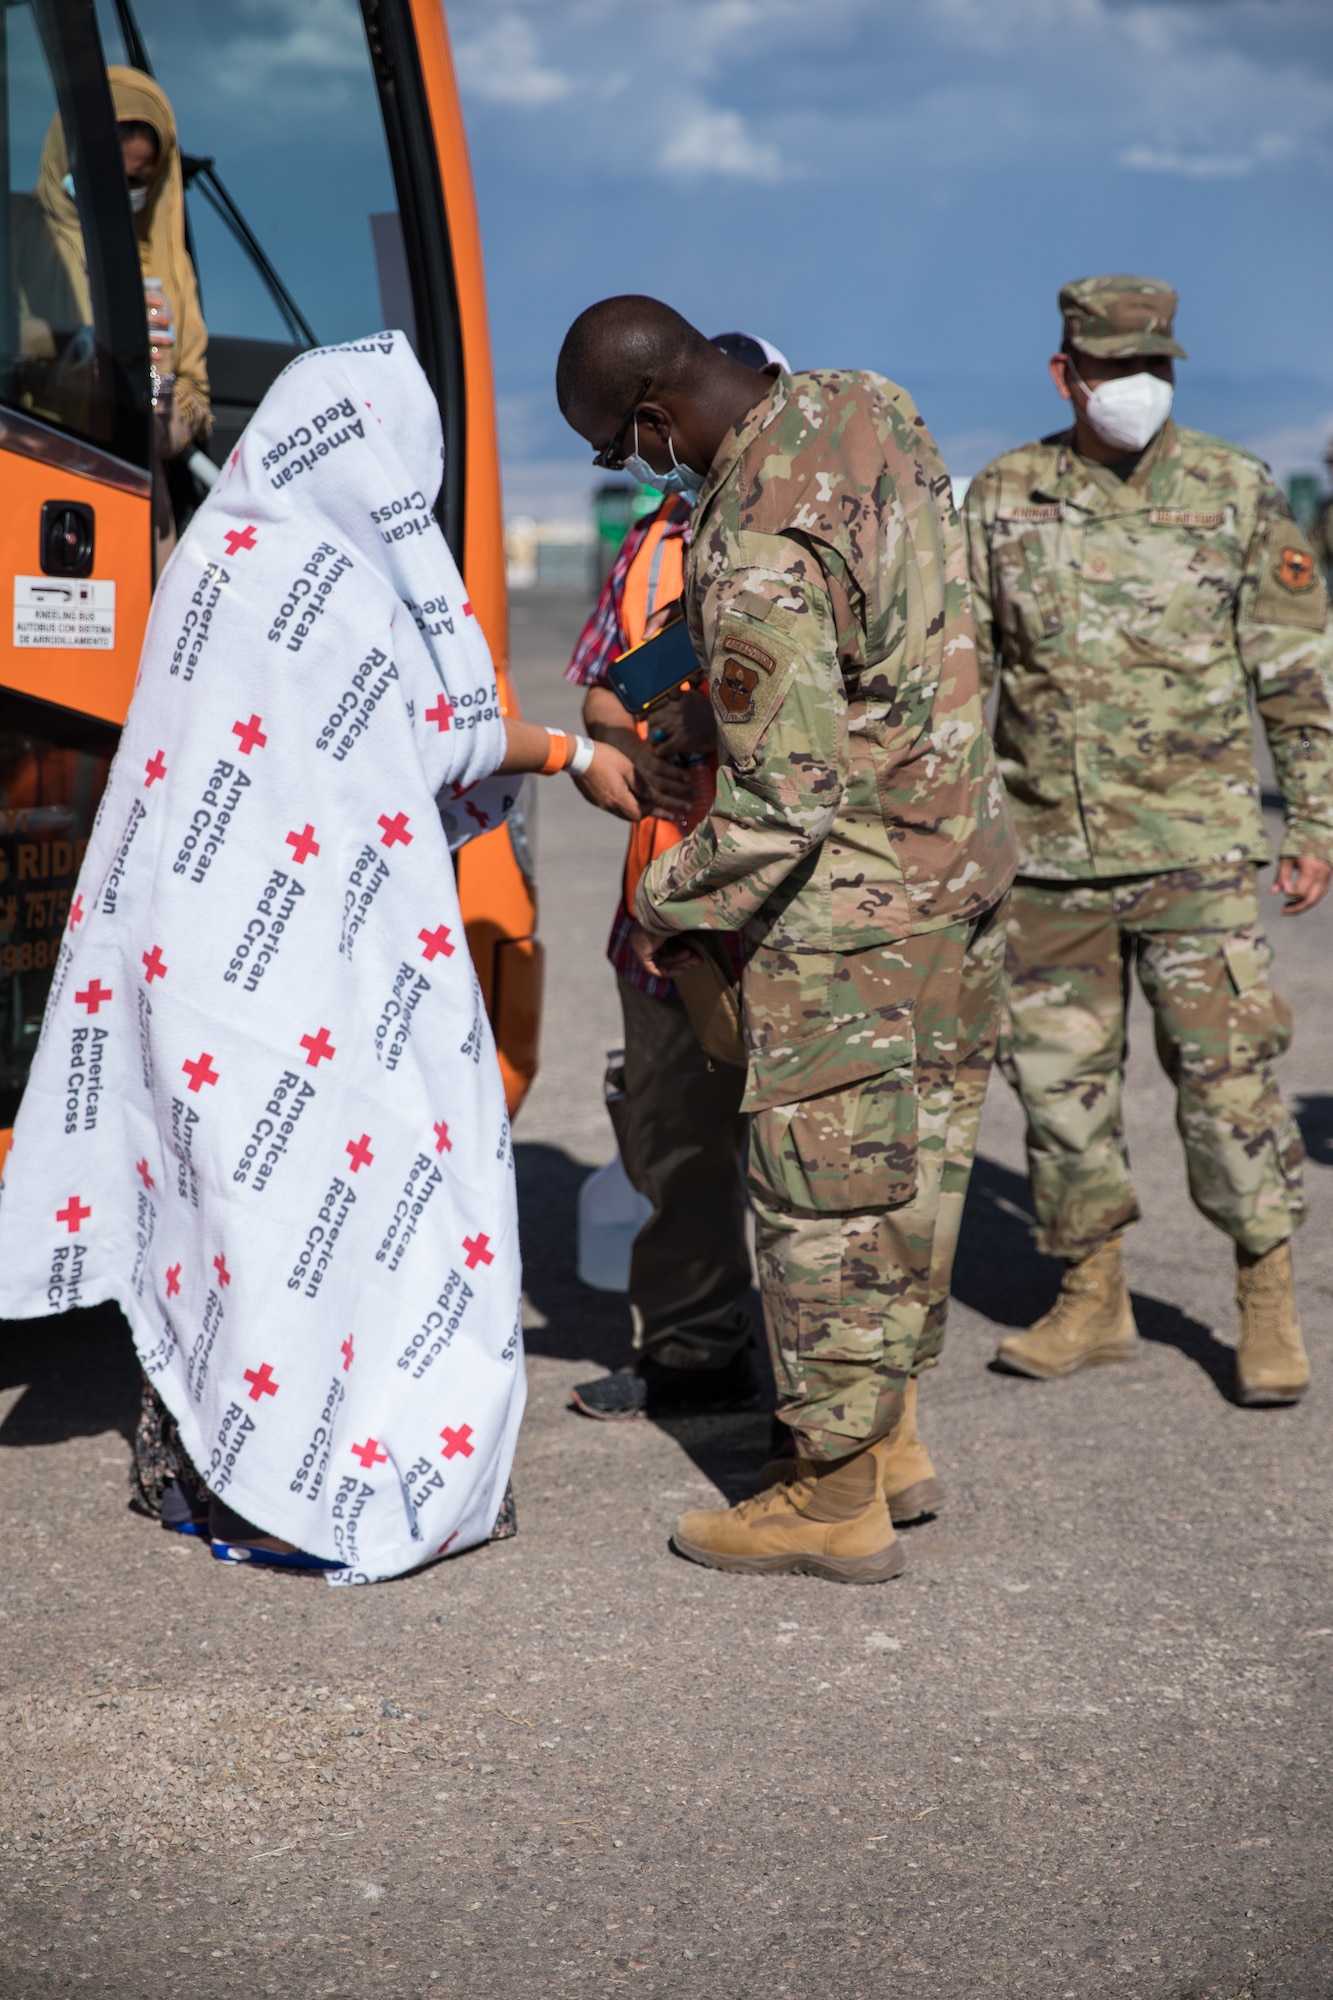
<point>265,1115</point>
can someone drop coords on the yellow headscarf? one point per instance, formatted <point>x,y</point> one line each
<point>54,272</point>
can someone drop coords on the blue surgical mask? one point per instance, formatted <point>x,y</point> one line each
<point>138,196</point>
<point>681,479</point>
<point>68,184</point>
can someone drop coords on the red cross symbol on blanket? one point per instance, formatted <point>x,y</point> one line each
<point>261,1382</point>
<point>475,812</point>
<point>318,1048</point>
<point>200,1072</point>
<point>141,1169</point>
<point>239,538</point>
<point>457,1442</point>
<point>395,832</point>
<point>251,734</point>
<point>348,1352</point>
<point>74,1215</point>
<point>443,1143</point>
<point>360,1153</point>
<point>155,966</point>
<point>442,714</point>
<point>76,912</point>
<point>436,942</point>
<point>370,1453</point>
<point>220,1266</point>
<point>477,1251</point>
<point>303,845</point>
<point>173,1280</point>
<point>156,767</point>
<point>468,612</point>
<point>93,995</point>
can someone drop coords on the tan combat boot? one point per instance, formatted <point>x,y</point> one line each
<point>1092,1320</point>
<point>826,1520</point>
<point>907,1477</point>
<point>1271,1364</point>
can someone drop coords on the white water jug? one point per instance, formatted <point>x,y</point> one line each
<point>611,1214</point>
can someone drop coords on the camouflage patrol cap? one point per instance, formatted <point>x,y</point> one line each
<point>1120,316</point>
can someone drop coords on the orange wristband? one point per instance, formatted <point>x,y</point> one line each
<point>556,755</point>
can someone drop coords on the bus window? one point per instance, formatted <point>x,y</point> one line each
<point>68,351</point>
<point>283,148</point>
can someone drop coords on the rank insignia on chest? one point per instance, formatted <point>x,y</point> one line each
<point>1295,569</point>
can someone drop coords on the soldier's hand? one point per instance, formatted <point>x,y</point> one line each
<point>609,783</point>
<point>1303,881</point>
<point>685,720</point>
<point>661,952</point>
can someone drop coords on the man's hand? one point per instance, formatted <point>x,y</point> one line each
<point>609,783</point>
<point>661,952</point>
<point>1303,881</point>
<point>683,725</point>
<point>663,787</point>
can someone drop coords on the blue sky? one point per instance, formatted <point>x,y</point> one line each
<point>903,185</point>
<point>891,184</point>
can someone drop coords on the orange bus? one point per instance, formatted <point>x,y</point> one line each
<point>330,195</point>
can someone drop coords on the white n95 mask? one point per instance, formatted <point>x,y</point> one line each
<point>1129,410</point>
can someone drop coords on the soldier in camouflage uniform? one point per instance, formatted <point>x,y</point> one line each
<point>1137,589</point>
<point>860,841</point>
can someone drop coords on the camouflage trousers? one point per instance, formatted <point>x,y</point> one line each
<point>858,1181</point>
<point>1193,936</point>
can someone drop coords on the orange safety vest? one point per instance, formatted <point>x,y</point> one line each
<point>656,577</point>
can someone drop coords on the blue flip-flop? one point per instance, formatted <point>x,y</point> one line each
<point>242,1552</point>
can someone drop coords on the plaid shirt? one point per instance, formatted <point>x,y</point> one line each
<point>601,641</point>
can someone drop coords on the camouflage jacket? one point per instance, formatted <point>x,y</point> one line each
<point>826,589</point>
<point>1130,622</point>
<point>1321,537</point>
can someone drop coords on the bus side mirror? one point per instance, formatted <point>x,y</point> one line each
<point>66,539</point>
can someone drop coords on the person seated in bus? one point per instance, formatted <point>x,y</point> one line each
<point>54,303</point>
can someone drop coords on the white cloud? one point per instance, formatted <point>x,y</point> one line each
<point>502,65</point>
<point>709,141</point>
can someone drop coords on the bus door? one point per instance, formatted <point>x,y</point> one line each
<point>328,193</point>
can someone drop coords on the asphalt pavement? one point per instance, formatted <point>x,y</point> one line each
<point>1078,1751</point>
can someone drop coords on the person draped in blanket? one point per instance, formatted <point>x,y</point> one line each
<point>266,1115</point>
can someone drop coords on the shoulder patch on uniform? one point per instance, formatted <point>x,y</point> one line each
<point>1053,510</point>
<point>735,642</point>
<point>1295,569</point>
<point>1187,517</point>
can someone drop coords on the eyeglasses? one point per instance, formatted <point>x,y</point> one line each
<point>611,458</point>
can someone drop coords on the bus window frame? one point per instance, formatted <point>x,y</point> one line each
<point>423,217</point>
<point>72,47</point>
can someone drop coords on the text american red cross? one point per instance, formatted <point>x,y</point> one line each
<point>318,1048</point>
<point>395,832</point>
<point>437,942</point>
<point>200,1072</point>
<point>251,734</point>
<point>93,995</point>
<point>74,1215</point>
<point>261,1382</point>
<point>303,845</point>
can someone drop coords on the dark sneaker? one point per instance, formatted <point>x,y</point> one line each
<point>650,1390</point>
